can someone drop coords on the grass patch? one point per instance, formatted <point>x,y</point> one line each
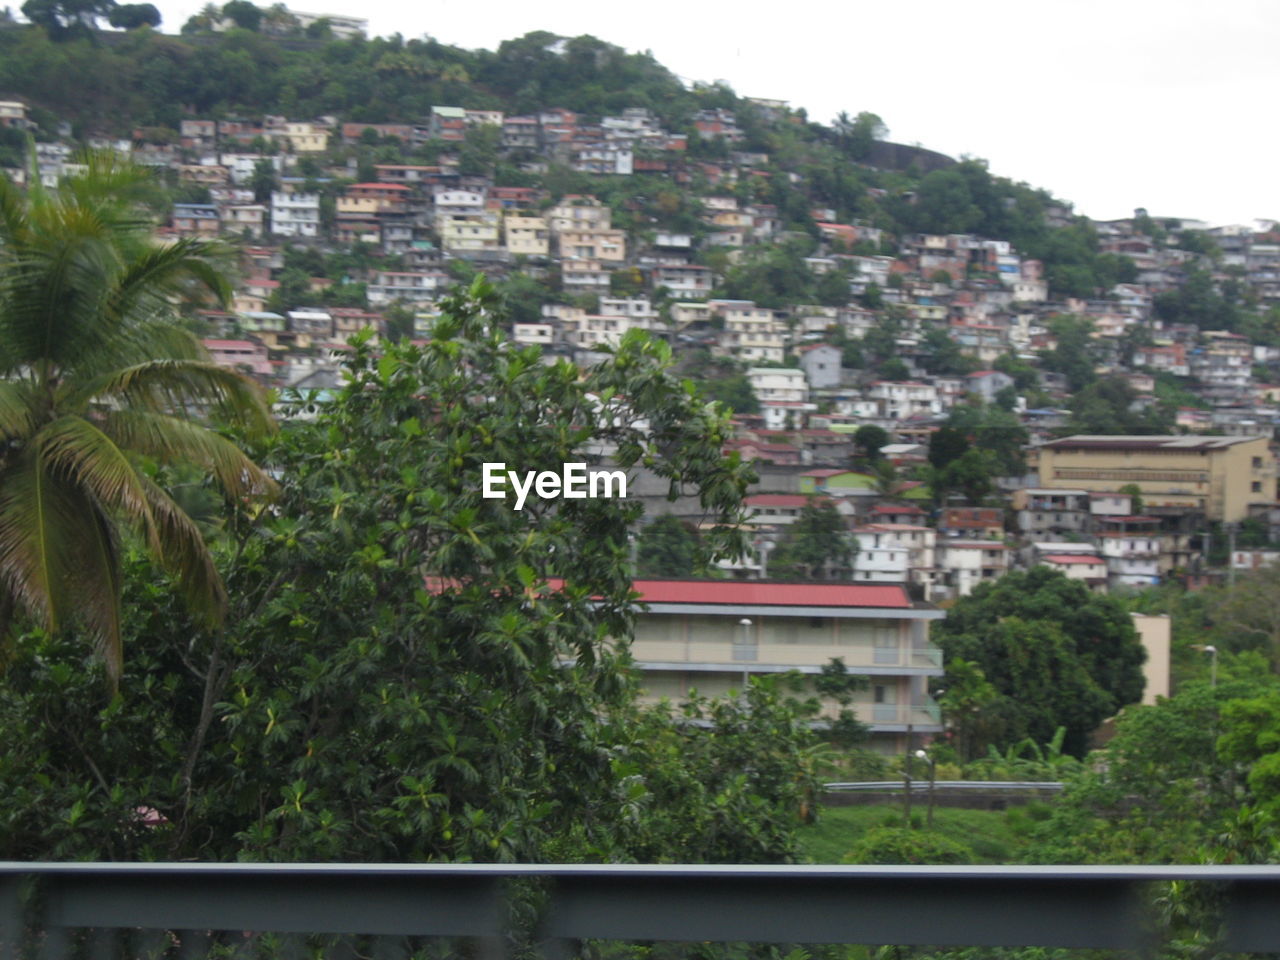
<point>995,836</point>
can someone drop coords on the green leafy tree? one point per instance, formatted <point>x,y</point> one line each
<point>667,547</point>
<point>944,204</point>
<point>969,704</point>
<point>815,544</point>
<point>993,429</point>
<point>263,181</point>
<point>412,671</point>
<point>868,439</point>
<point>1168,787</point>
<point>245,15</point>
<point>66,19</point>
<point>1106,406</point>
<point>1072,355</point>
<point>1058,654</point>
<point>98,381</point>
<point>734,391</point>
<point>972,474</point>
<point>130,16</point>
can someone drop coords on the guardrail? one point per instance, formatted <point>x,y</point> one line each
<point>921,786</point>
<point>1052,906</point>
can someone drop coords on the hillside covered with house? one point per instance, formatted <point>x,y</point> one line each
<point>952,372</point>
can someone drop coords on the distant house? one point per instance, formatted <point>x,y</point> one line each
<point>1087,568</point>
<point>821,365</point>
<point>245,355</point>
<point>983,523</point>
<point>838,483</point>
<point>966,563</point>
<point>987,383</point>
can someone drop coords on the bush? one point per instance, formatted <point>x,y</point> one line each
<point>890,845</point>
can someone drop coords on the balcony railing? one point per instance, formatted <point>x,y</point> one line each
<point>186,908</point>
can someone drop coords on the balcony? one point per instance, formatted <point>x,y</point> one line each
<point>920,715</point>
<point>781,656</point>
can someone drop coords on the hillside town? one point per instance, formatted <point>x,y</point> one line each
<point>1168,471</point>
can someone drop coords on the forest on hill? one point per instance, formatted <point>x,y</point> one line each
<point>147,82</point>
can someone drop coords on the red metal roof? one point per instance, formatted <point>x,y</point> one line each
<point>765,593</point>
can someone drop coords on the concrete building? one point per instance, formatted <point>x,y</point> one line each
<point>1218,477</point>
<point>963,564</point>
<point>1156,634</point>
<point>691,636</point>
<point>295,214</point>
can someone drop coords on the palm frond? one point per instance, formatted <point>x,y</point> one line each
<point>185,554</point>
<point>17,410</point>
<point>172,440</point>
<point>168,385</point>
<point>42,538</point>
<point>159,272</point>
<point>98,586</point>
<point>52,290</point>
<point>73,447</point>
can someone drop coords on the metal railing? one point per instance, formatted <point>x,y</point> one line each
<point>942,786</point>
<point>1053,906</point>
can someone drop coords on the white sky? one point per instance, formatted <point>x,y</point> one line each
<point>1109,104</point>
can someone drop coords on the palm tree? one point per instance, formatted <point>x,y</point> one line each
<point>97,381</point>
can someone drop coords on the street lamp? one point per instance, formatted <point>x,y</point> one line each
<point>1213,662</point>
<point>744,650</point>
<point>933,771</point>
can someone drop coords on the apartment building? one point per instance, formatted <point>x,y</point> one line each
<point>295,214</point>
<point>1218,477</point>
<point>707,635</point>
<point>1045,513</point>
<point>963,564</point>
<point>526,236</point>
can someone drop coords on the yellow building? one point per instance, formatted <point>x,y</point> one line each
<point>708,635</point>
<point>526,236</point>
<point>1217,476</point>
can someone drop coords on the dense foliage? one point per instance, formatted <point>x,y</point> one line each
<point>411,671</point>
<point>1055,653</point>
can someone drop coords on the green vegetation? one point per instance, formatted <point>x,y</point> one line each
<point>1055,654</point>
<point>98,379</point>
<point>815,547</point>
<point>990,836</point>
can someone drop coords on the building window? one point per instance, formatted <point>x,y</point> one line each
<point>1256,486</point>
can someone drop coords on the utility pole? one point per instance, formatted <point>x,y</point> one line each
<point>906,781</point>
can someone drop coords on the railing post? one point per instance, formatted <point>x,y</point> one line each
<point>10,918</point>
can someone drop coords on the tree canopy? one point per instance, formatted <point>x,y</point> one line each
<point>1058,654</point>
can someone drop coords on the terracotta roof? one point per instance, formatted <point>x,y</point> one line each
<point>1070,558</point>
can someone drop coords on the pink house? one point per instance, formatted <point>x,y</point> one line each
<point>244,355</point>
